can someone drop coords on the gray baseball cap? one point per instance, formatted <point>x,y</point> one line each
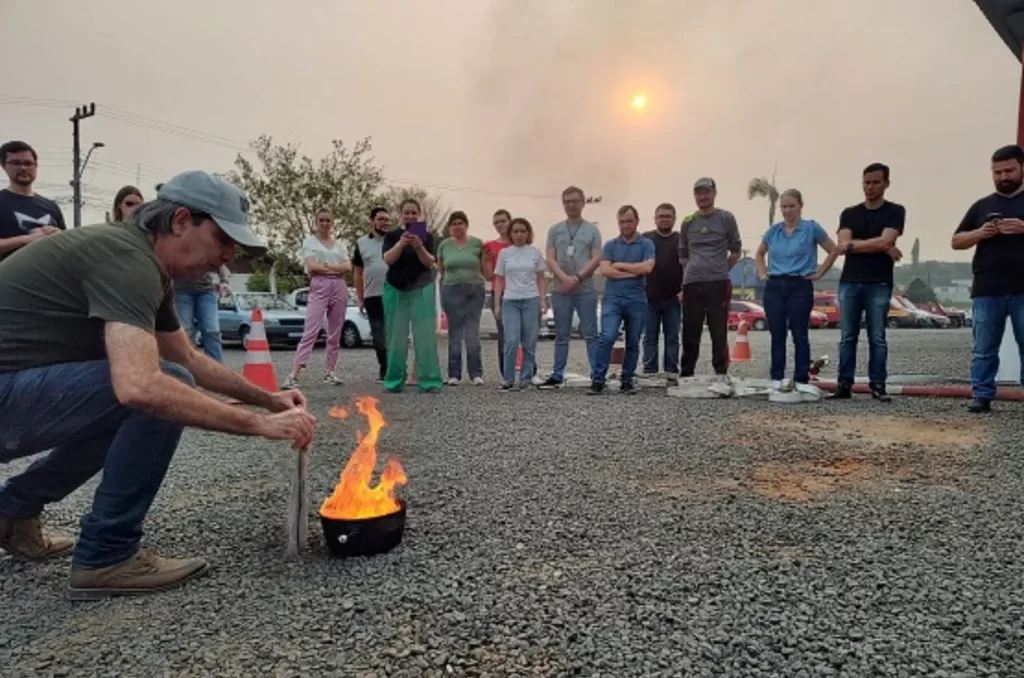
<point>219,198</point>
<point>704,183</point>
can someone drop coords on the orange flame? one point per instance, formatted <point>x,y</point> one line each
<point>353,497</point>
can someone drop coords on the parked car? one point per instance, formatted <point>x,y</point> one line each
<point>284,322</point>
<point>356,330</point>
<point>957,318</point>
<point>829,305</point>
<point>818,320</point>
<point>749,312</point>
<point>925,319</point>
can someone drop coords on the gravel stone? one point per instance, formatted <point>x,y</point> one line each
<point>552,534</point>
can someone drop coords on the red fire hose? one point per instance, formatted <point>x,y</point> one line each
<point>928,391</point>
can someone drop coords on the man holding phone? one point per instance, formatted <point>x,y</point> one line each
<point>994,226</point>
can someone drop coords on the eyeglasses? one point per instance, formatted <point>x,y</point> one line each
<point>21,163</point>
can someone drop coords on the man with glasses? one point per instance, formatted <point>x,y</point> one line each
<point>96,374</point>
<point>24,216</point>
<point>573,255</point>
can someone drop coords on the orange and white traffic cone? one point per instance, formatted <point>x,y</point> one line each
<point>741,349</point>
<point>259,368</point>
<point>519,359</point>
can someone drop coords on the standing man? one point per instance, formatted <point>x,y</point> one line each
<point>370,270</point>
<point>625,262</point>
<point>573,255</point>
<point>994,226</point>
<point>867,238</point>
<point>501,221</point>
<point>97,374</point>
<point>663,285</point>
<point>709,246</point>
<point>24,216</point>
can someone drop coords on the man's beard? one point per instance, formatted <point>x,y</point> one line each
<point>1008,187</point>
<point>664,230</point>
<point>22,179</point>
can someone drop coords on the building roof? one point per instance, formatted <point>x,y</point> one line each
<point>1007,18</point>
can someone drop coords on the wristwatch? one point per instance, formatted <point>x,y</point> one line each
<point>849,247</point>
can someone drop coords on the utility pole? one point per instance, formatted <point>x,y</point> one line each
<point>81,113</point>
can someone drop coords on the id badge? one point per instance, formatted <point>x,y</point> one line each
<point>570,250</point>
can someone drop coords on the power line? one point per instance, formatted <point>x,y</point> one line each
<point>181,131</point>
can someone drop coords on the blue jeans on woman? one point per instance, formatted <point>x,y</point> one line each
<point>870,300</point>
<point>521,320</point>
<point>70,412</point>
<point>989,327</point>
<point>788,301</point>
<point>201,308</point>
<point>463,303</point>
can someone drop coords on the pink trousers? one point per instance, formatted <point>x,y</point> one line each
<point>328,298</point>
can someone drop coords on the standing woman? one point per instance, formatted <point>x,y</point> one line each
<point>460,261</point>
<point>791,247</point>
<point>522,288</point>
<point>501,220</point>
<point>409,301</point>
<point>327,263</point>
<point>125,202</point>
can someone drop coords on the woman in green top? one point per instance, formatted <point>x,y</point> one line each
<point>460,261</point>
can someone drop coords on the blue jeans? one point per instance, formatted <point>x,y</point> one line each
<point>788,301</point>
<point>664,316</point>
<point>463,303</point>
<point>990,314</point>
<point>615,311</point>
<point>70,410</point>
<point>521,320</point>
<point>872,301</point>
<point>201,308</point>
<point>584,303</point>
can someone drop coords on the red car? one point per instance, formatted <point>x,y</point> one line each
<point>819,320</point>
<point>747,311</point>
<point>829,305</point>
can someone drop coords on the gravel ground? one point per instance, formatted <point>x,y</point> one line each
<point>552,534</point>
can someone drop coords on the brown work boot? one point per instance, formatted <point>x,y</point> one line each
<point>144,572</point>
<point>24,539</point>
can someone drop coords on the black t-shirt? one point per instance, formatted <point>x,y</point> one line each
<point>998,263</point>
<point>864,224</point>
<point>408,273</point>
<point>666,280</point>
<point>21,214</point>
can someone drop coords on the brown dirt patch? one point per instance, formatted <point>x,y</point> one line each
<point>805,481</point>
<point>867,430</point>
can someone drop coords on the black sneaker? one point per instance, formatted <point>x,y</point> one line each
<point>842,392</point>
<point>507,387</point>
<point>879,394</point>
<point>979,406</point>
<point>628,388</point>
<point>550,383</point>
<point>596,388</point>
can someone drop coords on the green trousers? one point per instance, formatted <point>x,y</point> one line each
<point>418,308</point>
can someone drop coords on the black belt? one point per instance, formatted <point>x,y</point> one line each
<point>787,277</point>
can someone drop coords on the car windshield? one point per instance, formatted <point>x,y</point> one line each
<point>756,308</point>
<point>908,304</point>
<point>267,302</point>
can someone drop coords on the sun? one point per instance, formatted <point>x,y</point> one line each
<point>639,102</point>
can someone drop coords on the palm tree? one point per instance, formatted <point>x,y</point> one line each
<point>760,187</point>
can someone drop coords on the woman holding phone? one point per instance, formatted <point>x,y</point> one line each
<point>787,259</point>
<point>409,252</point>
<point>460,261</point>
<point>521,286</point>
<point>327,263</point>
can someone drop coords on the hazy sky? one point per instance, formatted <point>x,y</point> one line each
<point>507,101</point>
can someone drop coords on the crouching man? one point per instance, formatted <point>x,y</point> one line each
<point>96,372</point>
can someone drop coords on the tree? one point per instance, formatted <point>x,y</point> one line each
<point>915,253</point>
<point>435,212</point>
<point>919,292</point>
<point>285,190</point>
<point>760,187</point>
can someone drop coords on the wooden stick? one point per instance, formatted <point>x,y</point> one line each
<point>297,518</point>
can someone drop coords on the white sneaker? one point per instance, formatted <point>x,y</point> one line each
<point>478,381</point>
<point>333,379</point>
<point>453,382</point>
<point>289,383</point>
<point>537,380</point>
<point>722,385</point>
<point>774,385</point>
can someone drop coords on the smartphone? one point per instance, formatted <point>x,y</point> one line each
<point>418,228</point>
<point>992,216</point>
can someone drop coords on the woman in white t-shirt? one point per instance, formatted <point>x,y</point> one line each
<point>520,299</point>
<point>327,263</point>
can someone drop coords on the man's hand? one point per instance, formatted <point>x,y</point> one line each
<point>842,245</point>
<point>989,230</point>
<point>569,286</point>
<point>895,253</point>
<point>296,425</point>
<point>543,307</point>
<point>42,232</point>
<point>1010,226</point>
<point>497,312</point>
<point>680,296</point>
<point>286,400</point>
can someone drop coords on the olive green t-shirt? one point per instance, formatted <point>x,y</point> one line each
<point>461,264</point>
<point>57,293</point>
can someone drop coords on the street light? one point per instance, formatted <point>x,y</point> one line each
<point>76,180</point>
<point>95,145</point>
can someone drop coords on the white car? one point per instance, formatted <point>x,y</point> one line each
<point>356,330</point>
